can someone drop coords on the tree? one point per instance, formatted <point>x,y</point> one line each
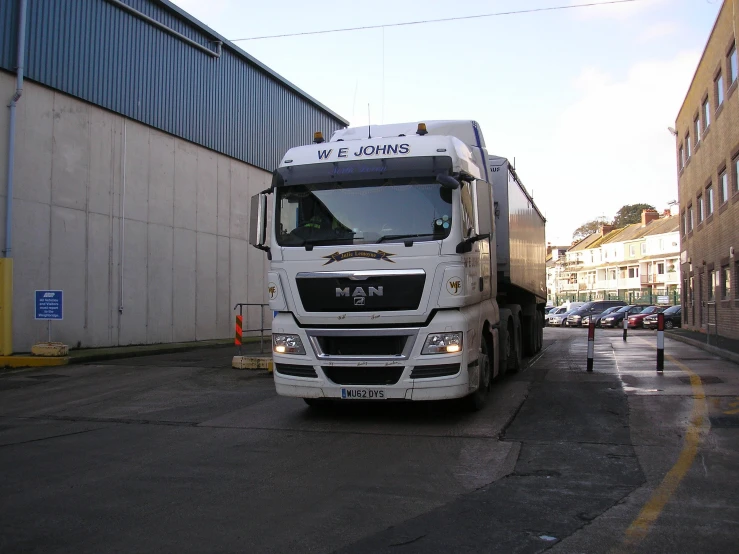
<point>589,228</point>
<point>630,213</point>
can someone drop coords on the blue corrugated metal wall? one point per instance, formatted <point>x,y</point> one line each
<point>96,51</point>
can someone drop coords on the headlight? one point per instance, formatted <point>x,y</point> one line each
<point>608,319</point>
<point>287,344</point>
<point>443,343</point>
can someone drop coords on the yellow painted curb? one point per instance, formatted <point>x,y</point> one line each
<point>251,362</point>
<point>33,361</point>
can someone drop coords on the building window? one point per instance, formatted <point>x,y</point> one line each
<point>643,248</point>
<point>661,268</point>
<point>719,84</point>
<point>632,250</point>
<point>709,200</point>
<point>725,283</point>
<point>633,272</point>
<point>681,157</point>
<point>690,291</point>
<point>687,147</point>
<point>661,244</point>
<point>732,65</point>
<point>697,129</point>
<point>706,114</point>
<point>690,218</point>
<point>683,224</point>
<point>735,164</point>
<point>700,209</point>
<point>712,286</point>
<point>723,180</point>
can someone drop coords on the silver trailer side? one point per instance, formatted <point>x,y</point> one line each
<point>519,232</point>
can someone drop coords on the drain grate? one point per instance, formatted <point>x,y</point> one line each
<point>706,380</point>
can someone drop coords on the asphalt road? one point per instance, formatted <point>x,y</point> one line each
<point>181,453</point>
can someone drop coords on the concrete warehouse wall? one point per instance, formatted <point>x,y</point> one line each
<point>186,257</point>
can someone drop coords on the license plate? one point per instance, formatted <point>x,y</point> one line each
<point>362,394</point>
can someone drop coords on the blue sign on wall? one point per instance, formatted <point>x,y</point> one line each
<point>49,304</point>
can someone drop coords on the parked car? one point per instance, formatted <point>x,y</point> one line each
<point>598,318</point>
<point>558,320</point>
<point>556,311</point>
<point>673,318</point>
<point>615,319</point>
<point>589,309</point>
<point>637,320</point>
<point>549,309</point>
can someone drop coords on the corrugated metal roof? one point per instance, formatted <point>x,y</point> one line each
<point>99,52</point>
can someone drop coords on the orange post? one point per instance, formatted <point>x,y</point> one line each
<point>239,327</point>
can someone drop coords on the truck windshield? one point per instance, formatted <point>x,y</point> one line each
<point>363,212</point>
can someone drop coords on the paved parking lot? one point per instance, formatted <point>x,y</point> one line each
<point>180,452</point>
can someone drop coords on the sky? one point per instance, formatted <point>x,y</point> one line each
<point>582,98</point>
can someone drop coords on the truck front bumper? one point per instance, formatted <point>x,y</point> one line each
<point>406,375</point>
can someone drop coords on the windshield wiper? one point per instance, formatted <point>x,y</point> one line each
<point>409,236</point>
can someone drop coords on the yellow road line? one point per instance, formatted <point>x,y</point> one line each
<point>699,424</point>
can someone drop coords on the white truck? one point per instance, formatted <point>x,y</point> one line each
<point>405,263</point>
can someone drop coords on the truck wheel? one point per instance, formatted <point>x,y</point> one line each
<point>476,401</point>
<point>514,352</point>
<point>530,335</point>
<point>540,332</point>
<point>317,403</point>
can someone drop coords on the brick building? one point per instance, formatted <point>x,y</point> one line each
<point>708,159</point>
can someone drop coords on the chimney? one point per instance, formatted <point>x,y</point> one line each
<point>605,229</point>
<point>647,216</point>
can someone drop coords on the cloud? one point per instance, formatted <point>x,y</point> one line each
<point>611,146</point>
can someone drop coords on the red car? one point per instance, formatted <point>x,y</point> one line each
<point>637,320</point>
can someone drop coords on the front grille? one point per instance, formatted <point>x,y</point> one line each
<point>363,375</point>
<point>362,346</point>
<point>375,294</point>
<point>296,370</point>
<point>428,371</point>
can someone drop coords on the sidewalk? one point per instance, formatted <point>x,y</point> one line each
<point>721,346</point>
<point>86,355</point>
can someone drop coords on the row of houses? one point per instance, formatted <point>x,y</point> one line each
<point>635,263</point>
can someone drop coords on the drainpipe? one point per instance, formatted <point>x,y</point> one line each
<point>11,128</point>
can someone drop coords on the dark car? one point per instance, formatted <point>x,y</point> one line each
<point>615,319</point>
<point>589,309</point>
<point>597,318</point>
<point>637,320</point>
<point>673,318</point>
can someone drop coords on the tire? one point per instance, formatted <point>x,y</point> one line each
<point>531,336</point>
<point>668,324</point>
<point>514,357</point>
<point>477,400</point>
<point>540,332</point>
<point>317,403</point>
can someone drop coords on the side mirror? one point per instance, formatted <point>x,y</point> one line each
<point>447,181</point>
<point>258,221</point>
